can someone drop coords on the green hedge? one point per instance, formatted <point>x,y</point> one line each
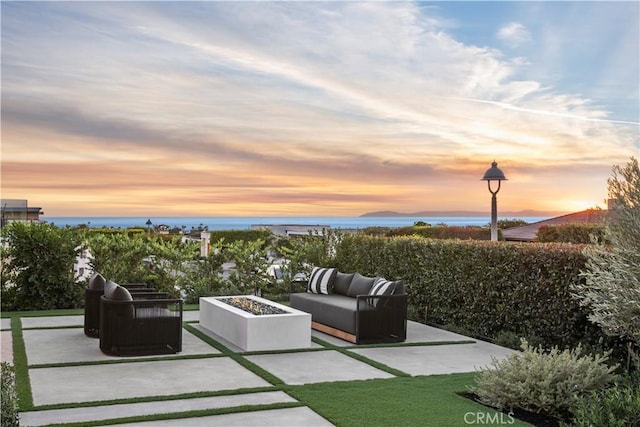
<point>485,288</point>
<point>231,236</point>
<point>570,233</point>
<point>436,232</point>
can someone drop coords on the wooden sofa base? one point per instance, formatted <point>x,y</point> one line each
<point>334,332</point>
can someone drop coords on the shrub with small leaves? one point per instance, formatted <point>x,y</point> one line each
<point>614,407</point>
<point>9,399</point>
<point>548,382</point>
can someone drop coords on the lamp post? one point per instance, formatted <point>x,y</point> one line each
<point>494,174</point>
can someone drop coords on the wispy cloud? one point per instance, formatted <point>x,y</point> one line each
<point>353,106</point>
<point>514,34</point>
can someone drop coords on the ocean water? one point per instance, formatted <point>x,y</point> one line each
<point>245,223</point>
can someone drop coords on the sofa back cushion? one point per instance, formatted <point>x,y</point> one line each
<point>321,280</point>
<point>360,285</point>
<point>341,283</point>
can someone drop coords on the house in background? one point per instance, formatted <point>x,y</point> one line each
<point>18,210</point>
<point>528,232</point>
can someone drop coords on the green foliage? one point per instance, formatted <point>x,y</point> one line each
<point>487,288</point>
<point>613,407</point>
<point>37,267</point>
<point>503,224</point>
<point>543,382</point>
<point>611,289</point>
<point>301,254</point>
<point>230,236</point>
<point>204,277</point>
<point>436,232</point>
<point>131,258</point>
<point>250,273</point>
<point>579,233</point>
<point>9,401</point>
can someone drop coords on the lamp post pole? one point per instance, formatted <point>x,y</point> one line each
<point>494,174</point>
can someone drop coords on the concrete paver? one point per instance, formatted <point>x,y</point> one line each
<point>5,324</point>
<point>416,333</point>
<point>316,366</point>
<point>99,413</point>
<point>437,359</point>
<point>6,347</point>
<point>68,345</point>
<point>89,383</point>
<point>52,322</point>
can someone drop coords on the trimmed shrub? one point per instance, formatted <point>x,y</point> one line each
<point>543,382</point>
<point>437,232</point>
<point>9,401</point>
<point>231,236</point>
<point>570,233</point>
<point>488,288</point>
<point>614,407</point>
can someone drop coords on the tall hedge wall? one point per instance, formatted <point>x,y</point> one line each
<point>489,289</point>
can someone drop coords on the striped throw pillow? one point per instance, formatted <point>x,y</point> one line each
<point>321,280</point>
<point>382,286</point>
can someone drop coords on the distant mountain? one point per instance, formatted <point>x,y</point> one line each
<point>503,214</point>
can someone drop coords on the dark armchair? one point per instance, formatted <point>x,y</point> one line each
<point>135,326</point>
<point>92,294</point>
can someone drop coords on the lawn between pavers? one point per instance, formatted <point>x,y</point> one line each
<point>401,401</point>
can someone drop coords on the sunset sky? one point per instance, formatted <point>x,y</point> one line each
<point>315,108</point>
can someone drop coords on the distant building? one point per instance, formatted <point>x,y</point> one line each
<point>18,210</point>
<point>293,229</point>
<point>528,232</point>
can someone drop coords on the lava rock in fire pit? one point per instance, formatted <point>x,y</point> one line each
<point>251,306</point>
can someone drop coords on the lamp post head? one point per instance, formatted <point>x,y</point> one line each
<point>494,173</point>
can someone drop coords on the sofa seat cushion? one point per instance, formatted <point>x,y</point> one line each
<point>337,311</point>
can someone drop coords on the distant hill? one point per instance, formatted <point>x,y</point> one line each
<point>503,214</point>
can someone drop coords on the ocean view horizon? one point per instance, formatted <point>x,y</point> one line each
<point>245,223</point>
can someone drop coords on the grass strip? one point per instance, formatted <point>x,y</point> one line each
<point>127,360</point>
<point>408,401</point>
<point>161,398</point>
<point>21,366</point>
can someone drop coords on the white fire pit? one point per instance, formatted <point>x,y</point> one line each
<point>251,332</point>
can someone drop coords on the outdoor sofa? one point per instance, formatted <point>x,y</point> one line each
<point>354,307</point>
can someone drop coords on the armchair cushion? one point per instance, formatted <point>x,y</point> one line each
<point>97,281</point>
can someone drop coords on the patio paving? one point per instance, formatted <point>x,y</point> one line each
<point>437,359</point>
<point>315,367</point>
<point>89,383</point>
<point>69,345</point>
<point>61,340</point>
<point>93,413</point>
